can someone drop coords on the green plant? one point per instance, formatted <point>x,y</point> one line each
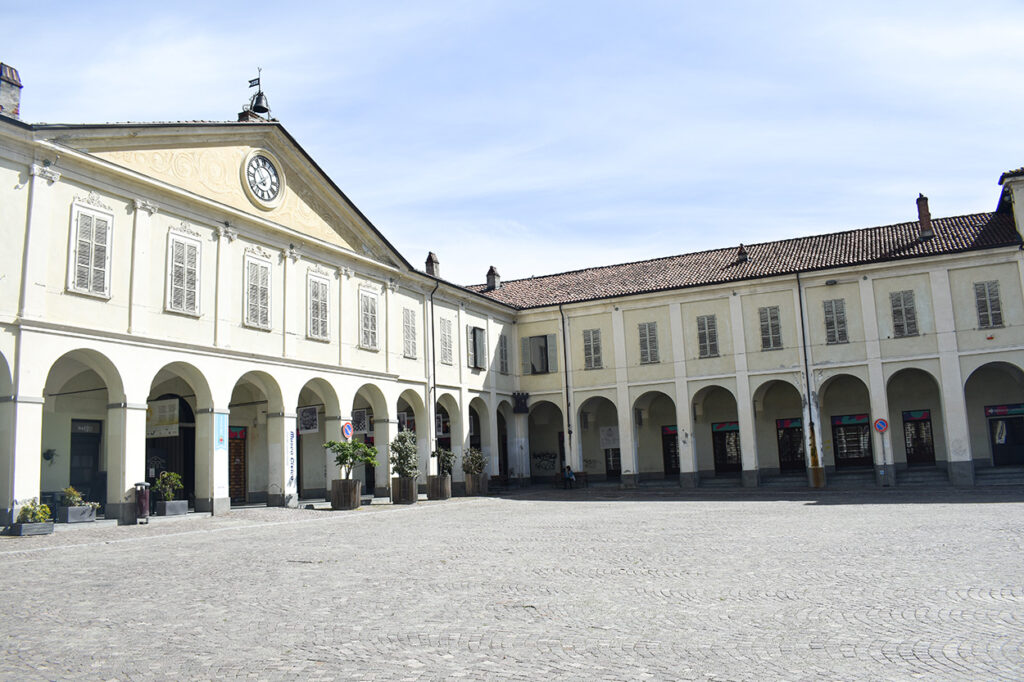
<point>73,498</point>
<point>166,483</point>
<point>403,455</point>
<point>33,512</point>
<point>445,461</point>
<point>348,454</point>
<point>473,461</point>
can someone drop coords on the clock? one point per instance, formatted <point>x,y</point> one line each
<point>262,179</point>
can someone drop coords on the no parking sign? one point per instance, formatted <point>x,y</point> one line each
<point>346,430</point>
<point>881,425</point>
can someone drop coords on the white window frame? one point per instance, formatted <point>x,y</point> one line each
<point>409,333</point>
<point>771,327</point>
<point>503,354</point>
<point>648,343</point>
<point>72,285</point>
<point>324,284</point>
<point>447,357</point>
<point>186,241</point>
<point>835,321</point>
<point>592,349</point>
<point>372,343</point>
<point>707,326</point>
<point>262,262</point>
<point>904,314</point>
<point>986,299</point>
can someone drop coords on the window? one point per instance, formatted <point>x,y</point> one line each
<point>904,314</point>
<point>986,295</point>
<point>592,349</point>
<point>446,341</point>
<point>539,354</point>
<point>476,348</point>
<point>89,271</point>
<point>771,330</point>
<point>707,336</point>
<point>503,354</point>
<point>409,333</point>
<point>648,343</point>
<point>182,274</point>
<point>318,318</point>
<point>257,293</point>
<point>835,321</point>
<point>367,319</point>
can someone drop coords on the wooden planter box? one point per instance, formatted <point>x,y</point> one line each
<point>346,493</point>
<point>76,514</point>
<point>404,491</point>
<point>172,508</point>
<point>476,484</point>
<point>44,528</point>
<point>439,487</point>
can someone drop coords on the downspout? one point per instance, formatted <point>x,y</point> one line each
<point>565,369</point>
<point>433,373</point>
<point>817,479</point>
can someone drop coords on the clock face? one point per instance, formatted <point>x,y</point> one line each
<point>263,178</point>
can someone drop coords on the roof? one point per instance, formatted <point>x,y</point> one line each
<point>1011,174</point>
<point>786,257</point>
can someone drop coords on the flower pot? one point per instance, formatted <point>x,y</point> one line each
<point>476,484</point>
<point>172,508</point>
<point>346,493</point>
<point>404,490</point>
<point>76,514</point>
<point>439,487</point>
<point>44,528</point>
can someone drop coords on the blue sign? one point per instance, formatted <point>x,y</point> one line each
<point>346,430</point>
<point>881,425</point>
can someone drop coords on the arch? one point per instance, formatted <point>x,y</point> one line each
<point>916,418</point>
<point>410,403</point>
<point>845,422</point>
<point>257,431</point>
<point>6,439</point>
<point>317,403</point>
<point>994,396</point>
<point>716,436</point>
<point>504,417</point>
<point>370,421</point>
<point>598,440</point>
<point>547,440</point>
<point>656,435</point>
<point>778,427</point>
<point>479,425</point>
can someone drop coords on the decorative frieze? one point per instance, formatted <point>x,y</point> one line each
<point>317,269</point>
<point>228,232</point>
<point>184,228</point>
<point>259,252</point>
<point>48,173</point>
<point>93,199</point>
<point>145,205</point>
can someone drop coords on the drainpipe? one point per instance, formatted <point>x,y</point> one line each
<point>433,376</point>
<point>816,475</point>
<point>568,406</point>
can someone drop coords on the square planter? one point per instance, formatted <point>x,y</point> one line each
<point>404,491</point>
<point>476,484</point>
<point>439,487</point>
<point>76,514</point>
<point>346,494</point>
<point>172,508</point>
<point>45,528</point>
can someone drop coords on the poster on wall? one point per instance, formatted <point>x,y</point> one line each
<point>609,437</point>
<point>308,422</point>
<point>359,421</point>
<point>162,418</point>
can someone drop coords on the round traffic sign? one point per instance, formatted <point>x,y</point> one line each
<point>346,429</point>
<point>881,425</point>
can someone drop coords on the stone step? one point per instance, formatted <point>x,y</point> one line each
<point>785,481</point>
<point>851,479</point>
<point>1003,475</point>
<point>922,477</point>
<point>721,482</point>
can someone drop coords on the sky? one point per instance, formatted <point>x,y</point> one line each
<point>541,137</point>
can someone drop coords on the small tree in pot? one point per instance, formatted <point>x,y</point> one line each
<point>75,509</point>
<point>33,519</point>
<point>167,484</point>
<point>440,487</point>
<point>473,464</point>
<point>405,463</point>
<point>347,493</point>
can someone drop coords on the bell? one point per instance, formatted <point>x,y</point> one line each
<point>259,103</point>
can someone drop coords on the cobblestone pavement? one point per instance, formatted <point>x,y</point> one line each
<point>598,584</point>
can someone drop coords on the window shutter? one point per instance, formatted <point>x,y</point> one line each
<point>503,354</point>
<point>839,312</point>
<point>480,353</point>
<point>981,301</point>
<point>372,308</point>
<point>830,322</point>
<point>446,341</point>
<point>191,277</point>
<point>99,256</point>
<point>524,356</point>
<point>313,311</point>
<point>596,348</point>
<point>552,353</point>
<point>645,353</point>
<point>470,348</point>
<point>776,326</point>
<point>652,341</point>
<point>910,312</point>
<point>994,308</point>
<point>712,335</point>
<point>588,349</point>
<point>264,273</point>
<point>899,327</point>
<point>409,332</point>
<point>252,294</point>
<point>177,275</point>
<point>702,335</point>
<point>766,333</point>
<point>83,252</point>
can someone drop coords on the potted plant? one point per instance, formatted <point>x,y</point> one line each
<point>166,484</point>
<point>440,487</point>
<point>406,466</point>
<point>33,519</point>
<point>347,493</point>
<point>75,509</point>
<point>473,464</point>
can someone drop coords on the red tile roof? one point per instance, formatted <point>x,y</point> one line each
<point>1011,174</point>
<point>803,254</point>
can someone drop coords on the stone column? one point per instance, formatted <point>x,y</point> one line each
<point>21,425</point>
<point>954,402</point>
<point>212,494</point>
<point>811,410</point>
<point>744,405</point>
<point>282,465</point>
<point>383,432</point>
<point>630,461</point>
<point>126,458</point>
<point>521,447</point>
<point>885,471</point>
<point>332,431</point>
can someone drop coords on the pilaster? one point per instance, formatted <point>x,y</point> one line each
<point>744,405</point>
<point>225,287</point>
<point>38,242</point>
<point>212,461</point>
<point>688,472</point>
<point>627,443</point>
<point>141,268</point>
<point>125,457</point>
<point>885,471</point>
<point>282,468</point>
<point>954,403</point>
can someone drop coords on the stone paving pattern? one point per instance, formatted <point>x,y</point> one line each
<point>595,584</point>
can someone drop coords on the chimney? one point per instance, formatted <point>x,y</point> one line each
<point>741,255</point>
<point>10,91</point>
<point>924,217</point>
<point>493,279</point>
<point>433,268</point>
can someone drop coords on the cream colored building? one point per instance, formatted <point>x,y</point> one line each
<point>200,297</point>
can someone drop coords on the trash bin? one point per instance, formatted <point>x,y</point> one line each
<point>142,502</point>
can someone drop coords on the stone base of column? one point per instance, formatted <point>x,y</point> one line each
<point>216,506</point>
<point>124,512</point>
<point>628,481</point>
<point>279,500</point>
<point>885,475</point>
<point>458,488</point>
<point>689,479</point>
<point>961,474</point>
<point>816,477</point>
<point>750,478</point>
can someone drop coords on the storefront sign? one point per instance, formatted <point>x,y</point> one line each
<point>162,419</point>
<point>917,415</point>
<point>850,420</point>
<point>725,426</point>
<point>797,423</point>
<point>1004,410</point>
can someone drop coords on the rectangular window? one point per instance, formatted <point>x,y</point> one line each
<point>446,341</point>
<point>835,321</point>
<point>771,330</point>
<point>257,293</point>
<point>986,295</point>
<point>707,336</point>
<point>904,314</point>
<point>409,333</point>
<point>183,274</point>
<point>318,317</point>
<point>648,343</point>
<point>592,349</point>
<point>368,319</point>
<point>503,354</point>
<point>539,354</point>
<point>476,348</point>
<point>89,270</point>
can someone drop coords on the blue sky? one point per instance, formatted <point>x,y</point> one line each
<point>548,136</point>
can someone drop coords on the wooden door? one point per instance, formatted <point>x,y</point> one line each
<point>670,450</point>
<point>236,464</point>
